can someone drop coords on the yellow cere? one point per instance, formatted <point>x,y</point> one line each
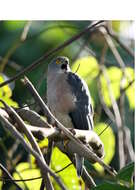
<point>57,61</point>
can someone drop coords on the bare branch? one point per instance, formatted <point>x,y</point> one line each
<point>49,53</point>
<point>30,137</point>
<point>10,176</point>
<point>32,117</point>
<point>114,50</point>
<point>106,109</point>
<point>16,44</point>
<point>23,127</point>
<point>42,165</point>
<point>117,118</point>
<point>116,38</point>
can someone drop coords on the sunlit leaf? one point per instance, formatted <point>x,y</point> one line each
<point>119,26</point>
<point>9,101</point>
<point>108,139</point>
<point>5,90</point>
<point>1,181</point>
<point>88,67</point>
<point>43,143</point>
<point>116,25</point>
<point>68,175</point>
<point>6,93</point>
<point>130,92</point>
<point>115,75</point>
<point>26,172</point>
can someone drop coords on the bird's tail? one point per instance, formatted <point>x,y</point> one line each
<point>79,164</point>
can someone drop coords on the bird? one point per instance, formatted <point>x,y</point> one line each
<point>69,100</point>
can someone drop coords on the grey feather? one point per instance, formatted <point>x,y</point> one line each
<point>82,115</point>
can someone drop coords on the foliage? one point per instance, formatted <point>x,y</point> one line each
<point>59,161</point>
<point>85,55</point>
<point>108,140</point>
<point>6,93</point>
<point>25,171</point>
<point>123,180</point>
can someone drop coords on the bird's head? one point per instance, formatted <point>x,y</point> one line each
<point>59,65</point>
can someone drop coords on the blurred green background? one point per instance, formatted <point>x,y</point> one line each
<point>18,51</point>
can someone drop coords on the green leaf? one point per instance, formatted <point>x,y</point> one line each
<point>6,93</point>
<point>88,70</point>
<point>12,25</point>
<point>5,90</point>
<point>68,175</point>
<point>88,67</point>
<point>115,75</point>
<point>126,173</point>
<point>111,186</point>
<point>108,139</point>
<point>26,172</point>
<point>1,183</point>
<point>130,92</point>
<point>120,26</point>
<point>43,143</point>
<point>54,35</point>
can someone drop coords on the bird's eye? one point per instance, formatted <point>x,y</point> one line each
<point>64,66</point>
<point>57,61</point>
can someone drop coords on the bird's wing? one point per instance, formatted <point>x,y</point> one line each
<point>82,115</point>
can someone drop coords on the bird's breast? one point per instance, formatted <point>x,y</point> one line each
<point>59,95</point>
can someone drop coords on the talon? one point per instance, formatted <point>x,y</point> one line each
<point>65,142</point>
<point>72,131</point>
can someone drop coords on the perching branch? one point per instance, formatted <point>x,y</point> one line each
<point>84,150</point>
<point>42,165</point>
<point>23,127</point>
<point>32,117</point>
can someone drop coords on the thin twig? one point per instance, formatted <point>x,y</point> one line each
<point>129,84</point>
<point>34,178</point>
<point>88,178</point>
<point>117,118</point>
<point>102,61</point>
<point>116,38</point>
<point>15,46</point>
<point>49,53</point>
<point>32,117</point>
<point>10,176</point>
<point>47,183</point>
<point>128,145</point>
<point>105,107</point>
<point>30,137</point>
<point>85,175</point>
<point>26,130</point>
<point>44,168</point>
<point>114,50</point>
